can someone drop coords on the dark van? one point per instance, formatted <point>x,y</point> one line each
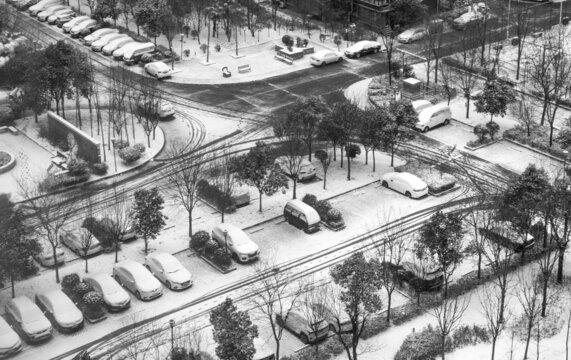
<point>301,215</point>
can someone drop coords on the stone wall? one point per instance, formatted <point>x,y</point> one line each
<point>87,147</point>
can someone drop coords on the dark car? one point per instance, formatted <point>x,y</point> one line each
<point>308,333</point>
<point>363,47</point>
<point>516,243</point>
<point>338,319</point>
<point>420,275</point>
<point>104,230</point>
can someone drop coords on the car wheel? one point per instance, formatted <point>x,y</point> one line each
<point>375,51</point>
<point>169,285</point>
<point>426,128</point>
<point>385,184</point>
<point>118,280</point>
<point>407,194</point>
<point>447,121</point>
<point>358,55</point>
<point>138,294</point>
<point>304,339</point>
<point>235,257</point>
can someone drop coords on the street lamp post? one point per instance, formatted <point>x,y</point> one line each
<point>226,240</point>
<point>171,323</point>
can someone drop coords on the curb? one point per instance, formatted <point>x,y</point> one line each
<point>552,157</point>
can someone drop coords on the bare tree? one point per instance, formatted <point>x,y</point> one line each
<point>48,212</point>
<point>447,81</point>
<point>276,295</point>
<point>184,177</point>
<point>477,218</point>
<point>224,177</point>
<point>118,220</point>
<point>466,76</point>
<point>448,315</point>
<point>294,148</point>
<point>525,112</point>
<point>523,25</point>
<point>148,101</point>
<point>388,36</point>
<point>314,309</point>
<point>493,312</point>
<point>528,295</point>
<point>324,157</point>
<point>432,47</point>
<point>546,264</point>
<point>85,236</point>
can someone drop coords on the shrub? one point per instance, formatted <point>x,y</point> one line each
<point>119,143</point>
<point>408,71</point>
<point>322,207</point>
<point>179,353</point>
<point>217,47</point>
<point>140,147</point>
<point>30,269</point>
<point>43,131</point>
<point>374,326</point>
<point>481,132</point>
<point>310,200</point>
<point>99,168</point>
<point>199,239</point>
<point>50,183</point>
<point>194,33</point>
<point>221,257</point>
<point>352,150</point>
<point>422,345</point>
<point>210,247</point>
<point>467,335</point>
<point>298,42</point>
<point>129,155</point>
<point>70,281</point>
<point>93,302</point>
<point>493,128</point>
<point>77,167</point>
<point>287,40</point>
<point>81,289</point>
<point>334,215</point>
<point>203,47</point>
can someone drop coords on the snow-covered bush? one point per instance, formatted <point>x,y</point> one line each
<point>310,200</point>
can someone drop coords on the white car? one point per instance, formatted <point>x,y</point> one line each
<point>61,17</point>
<point>46,256</point>
<point>73,22</point>
<point>43,15</point>
<point>104,40</point>
<point>405,183</point>
<point>116,44</point>
<point>28,319</point>
<point>158,69</point>
<point>410,35</point>
<point>239,244</point>
<point>97,34</point>
<point>307,170</point>
<point>466,19</point>
<point>9,341</point>
<point>83,27</point>
<point>81,244</point>
<point>137,279</point>
<point>60,310</point>
<point>114,296</point>
<point>169,270</point>
<point>363,47</point>
<point>420,105</point>
<point>324,57</point>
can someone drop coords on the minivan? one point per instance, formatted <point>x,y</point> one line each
<point>42,5</point>
<point>133,54</point>
<point>239,244</point>
<point>302,216</point>
<point>433,116</point>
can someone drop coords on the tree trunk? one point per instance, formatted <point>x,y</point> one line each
<point>479,264</point>
<point>294,187</point>
<point>527,339</point>
<point>442,346</point>
<point>366,156</point>
<point>341,154</point>
<point>222,214</point>
<point>324,179</point>
<point>334,151</point>
<point>544,300</point>
<point>493,347</point>
<point>560,264</point>
<point>190,223</point>
<point>348,168</point>
<point>12,285</point>
<point>544,111</point>
<point>260,200</point>
<point>309,143</point>
<point>86,265</point>
<point>62,107</point>
<point>468,106</point>
<point>392,155</point>
<point>389,301</point>
<point>146,246</point>
<point>56,266</point>
<point>445,285</point>
<point>374,161</point>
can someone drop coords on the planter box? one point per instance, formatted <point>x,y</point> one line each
<point>338,228</point>
<point>214,265</point>
<point>278,47</point>
<point>473,148</point>
<point>295,54</point>
<point>94,320</point>
<point>308,50</point>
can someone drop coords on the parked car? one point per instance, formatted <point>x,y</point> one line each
<point>104,230</point>
<point>98,44</point>
<point>158,69</point>
<point>116,44</point>
<point>301,215</point>
<point>43,15</point>
<point>42,5</point>
<point>430,117</point>
<point>309,333</point>
<point>307,170</point>
<point>411,35</point>
<point>324,57</point>
<point>511,240</point>
<point>114,296</point>
<point>61,16</point>
<point>82,28</point>
<point>27,319</point>
<point>133,54</point>
<point>137,279</point>
<point>24,5</point>
<point>97,34</point>
<point>164,109</point>
<point>169,270</point>
<point>467,19</point>
<point>9,340</point>
<point>46,256</point>
<point>423,275</point>
<point>78,243</point>
<point>405,183</point>
<point>73,22</point>
<point>59,308</point>
<point>338,319</point>
<point>363,47</point>
<point>242,248</point>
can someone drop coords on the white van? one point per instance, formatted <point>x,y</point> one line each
<point>42,5</point>
<point>301,215</point>
<point>433,116</point>
<point>242,248</point>
<point>133,55</point>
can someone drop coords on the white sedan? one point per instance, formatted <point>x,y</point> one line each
<point>169,270</point>
<point>137,279</point>
<point>158,69</point>
<point>405,183</point>
<point>324,57</point>
<point>410,35</point>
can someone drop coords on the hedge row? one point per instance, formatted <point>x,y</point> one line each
<point>83,295</point>
<point>539,139</point>
<point>201,243</point>
<point>214,196</point>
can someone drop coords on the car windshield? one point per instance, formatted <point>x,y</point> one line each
<point>171,265</point>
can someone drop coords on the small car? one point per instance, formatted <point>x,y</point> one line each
<point>363,47</point>
<point>164,109</point>
<point>433,116</point>
<point>406,183</point>
<point>338,319</point>
<point>97,34</point>
<point>114,296</point>
<point>27,319</point>
<point>307,170</point>
<point>43,15</point>
<point>515,242</point>
<point>83,28</point>
<point>308,333</point>
<point>9,340</point>
<point>59,308</point>
<point>104,229</point>
<point>411,35</point>
<point>169,270</point>
<point>465,20</point>
<point>71,23</point>
<point>46,256</point>
<point>420,274</point>
<point>238,243</point>
<point>158,69</point>
<point>60,17</point>
<point>116,44</point>
<point>98,44</point>
<point>137,279</point>
<point>324,57</point>
<point>78,244</point>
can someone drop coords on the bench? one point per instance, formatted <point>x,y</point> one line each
<point>284,59</point>
<point>13,130</point>
<point>244,69</point>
